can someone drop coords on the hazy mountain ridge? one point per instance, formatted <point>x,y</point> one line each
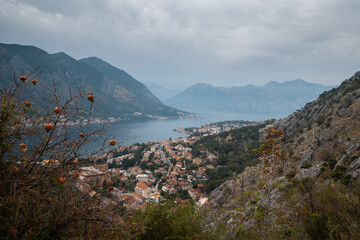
<point>117,94</point>
<point>323,140</point>
<point>162,92</point>
<point>272,98</point>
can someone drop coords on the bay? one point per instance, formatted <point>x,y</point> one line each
<point>128,133</point>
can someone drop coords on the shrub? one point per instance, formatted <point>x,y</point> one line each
<point>41,151</point>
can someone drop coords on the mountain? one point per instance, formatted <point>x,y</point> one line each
<point>312,191</point>
<point>273,98</point>
<point>117,94</point>
<point>163,92</point>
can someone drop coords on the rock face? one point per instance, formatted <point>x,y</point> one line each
<point>322,138</point>
<point>117,94</point>
<point>354,169</point>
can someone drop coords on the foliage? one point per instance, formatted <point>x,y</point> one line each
<point>306,209</point>
<point>169,221</point>
<point>39,169</point>
<point>331,212</point>
<point>266,208</point>
<point>233,154</point>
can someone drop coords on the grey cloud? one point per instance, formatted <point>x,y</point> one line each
<point>221,42</point>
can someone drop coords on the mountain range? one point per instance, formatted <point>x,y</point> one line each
<point>164,91</point>
<point>272,98</point>
<point>117,94</point>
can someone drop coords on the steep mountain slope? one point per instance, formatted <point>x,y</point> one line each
<point>312,195</point>
<point>117,94</point>
<point>272,98</point>
<point>141,97</point>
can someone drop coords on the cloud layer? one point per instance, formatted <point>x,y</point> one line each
<point>223,42</point>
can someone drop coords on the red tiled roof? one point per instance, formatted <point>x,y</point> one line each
<point>142,185</point>
<point>138,195</point>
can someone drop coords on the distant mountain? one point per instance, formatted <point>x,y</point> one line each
<point>117,94</point>
<point>162,92</point>
<point>272,98</point>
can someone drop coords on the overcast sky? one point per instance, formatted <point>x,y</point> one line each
<point>221,42</point>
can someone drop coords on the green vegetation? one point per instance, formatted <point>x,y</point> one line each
<point>171,221</point>
<point>232,150</point>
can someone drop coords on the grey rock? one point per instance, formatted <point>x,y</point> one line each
<point>312,172</point>
<point>354,168</point>
<point>306,158</point>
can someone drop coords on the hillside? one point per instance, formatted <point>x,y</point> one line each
<point>311,194</point>
<point>117,94</point>
<point>163,92</point>
<point>273,98</point>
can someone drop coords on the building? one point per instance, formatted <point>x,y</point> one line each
<point>142,189</point>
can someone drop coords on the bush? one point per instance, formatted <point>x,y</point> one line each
<point>41,151</point>
<point>338,172</point>
<point>169,221</point>
<point>332,162</point>
<point>316,227</point>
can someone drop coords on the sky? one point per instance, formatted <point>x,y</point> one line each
<point>183,42</point>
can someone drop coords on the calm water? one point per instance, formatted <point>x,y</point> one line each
<point>156,130</point>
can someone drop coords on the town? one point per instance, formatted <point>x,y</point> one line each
<point>141,173</point>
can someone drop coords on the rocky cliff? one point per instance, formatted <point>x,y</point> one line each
<point>321,168</point>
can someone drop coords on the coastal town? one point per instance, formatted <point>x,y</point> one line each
<point>141,173</point>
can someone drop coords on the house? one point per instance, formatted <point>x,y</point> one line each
<point>124,177</point>
<point>154,147</point>
<point>179,147</point>
<point>172,190</point>
<point>134,170</point>
<point>211,156</point>
<point>166,161</point>
<point>156,198</point>
<point>157,161</point>
<point>187,149</point>
<point>138,197</point>
<point>142,189</point>
<point>165,187</point>
<point>197,161</point>
<point>91,173</point>
<point>193,193</point>
<point>210,167</point>
<point>142,177</point>
<point>102,167</point>
<point>182,173</point>
<point>190,178</point>
<point>116,171</point>
<point>145,157</point>
<point>134,148</point>
<point>171,182</point>
<point>188,155</point>
<point>186,186</point>
<point>160,170</point>
<point>201,187</point>
<point>202,169</point>
<point>172,176</point>
<point>200,174</point>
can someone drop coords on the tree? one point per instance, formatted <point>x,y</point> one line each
<point>265,204</point>
<point>41,151</point>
